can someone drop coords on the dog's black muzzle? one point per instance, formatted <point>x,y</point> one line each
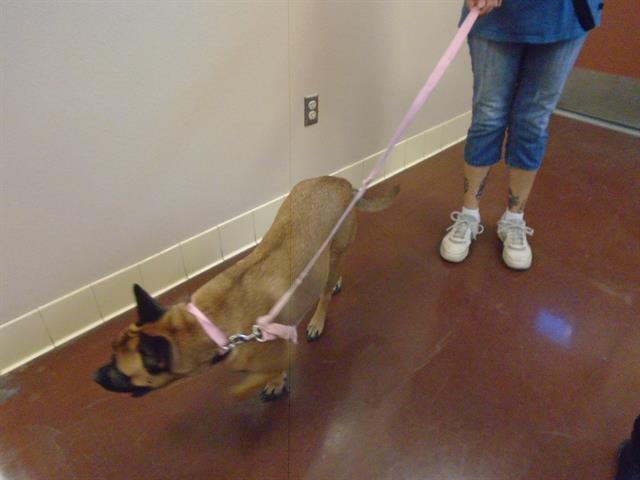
<point>112,379</point>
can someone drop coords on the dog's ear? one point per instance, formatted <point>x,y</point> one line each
<point>148,309</point>
<point>155,352</point>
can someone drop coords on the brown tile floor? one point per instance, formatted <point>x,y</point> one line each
<point>427,370</point>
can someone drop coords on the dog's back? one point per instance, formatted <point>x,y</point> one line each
<point>314,206</point>
<point>310,211</point>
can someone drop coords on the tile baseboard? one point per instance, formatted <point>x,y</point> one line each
<point>52,325</point>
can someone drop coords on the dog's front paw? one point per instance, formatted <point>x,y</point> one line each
<point>275,390</point>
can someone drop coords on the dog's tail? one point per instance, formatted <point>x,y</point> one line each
<point>375,204</point>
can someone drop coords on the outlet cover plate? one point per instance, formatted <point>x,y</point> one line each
<point>311,109</point>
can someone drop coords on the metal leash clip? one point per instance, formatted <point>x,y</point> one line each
<point>240,338</point>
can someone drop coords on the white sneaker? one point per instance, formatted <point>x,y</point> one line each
<point>516,251</point>
<point>455,244</point>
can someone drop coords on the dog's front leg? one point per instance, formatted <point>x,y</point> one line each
<point>276,388</point>
<point>273,385</point>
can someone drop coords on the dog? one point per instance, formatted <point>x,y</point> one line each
<point>166,344</point>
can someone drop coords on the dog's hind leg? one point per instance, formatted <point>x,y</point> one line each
<point>337,288</point>
<point>342,240</point>
<point>316,324</point>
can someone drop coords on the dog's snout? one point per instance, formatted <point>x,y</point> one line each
<point>110,378</point>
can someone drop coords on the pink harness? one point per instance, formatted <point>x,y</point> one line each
<point>261,332</point>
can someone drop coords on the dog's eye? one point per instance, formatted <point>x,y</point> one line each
<point>155,353</point>
<point>151,363</point>
<point>153,366</point>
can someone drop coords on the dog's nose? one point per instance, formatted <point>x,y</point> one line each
<point>112,379</point>
<point>101,376</point>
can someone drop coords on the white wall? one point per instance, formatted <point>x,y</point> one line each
<point>368,60</point>
<point>128,127</point>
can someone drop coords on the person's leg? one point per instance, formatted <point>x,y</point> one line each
<point>543,73</point>
<point>475,179</point>
<point>520,185</point>
<point>495,68</point>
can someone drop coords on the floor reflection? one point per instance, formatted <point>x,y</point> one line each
<point>554,328</point>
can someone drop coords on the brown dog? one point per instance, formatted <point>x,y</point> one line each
<point>167,344</point>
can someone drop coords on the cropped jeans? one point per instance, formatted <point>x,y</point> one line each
<point>516,87</point>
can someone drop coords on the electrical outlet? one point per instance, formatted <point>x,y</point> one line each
<point>310,109</point>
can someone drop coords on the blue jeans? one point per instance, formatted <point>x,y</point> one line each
<point>516,86</point>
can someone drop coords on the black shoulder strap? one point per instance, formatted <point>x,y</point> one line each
<point>584,14</point>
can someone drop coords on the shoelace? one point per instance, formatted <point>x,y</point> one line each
<point>516,232</point>
<point>462,223</point>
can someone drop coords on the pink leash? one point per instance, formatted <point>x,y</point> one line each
<point>417,104</point>
<point>265,323</point>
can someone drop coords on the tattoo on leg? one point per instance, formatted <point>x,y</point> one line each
<point>514,201</point>
<point>481,187</point>
<point>466,184</point>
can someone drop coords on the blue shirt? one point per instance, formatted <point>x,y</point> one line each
<point>532,21</point>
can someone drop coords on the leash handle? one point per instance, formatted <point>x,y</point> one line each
<point>416,105</point>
